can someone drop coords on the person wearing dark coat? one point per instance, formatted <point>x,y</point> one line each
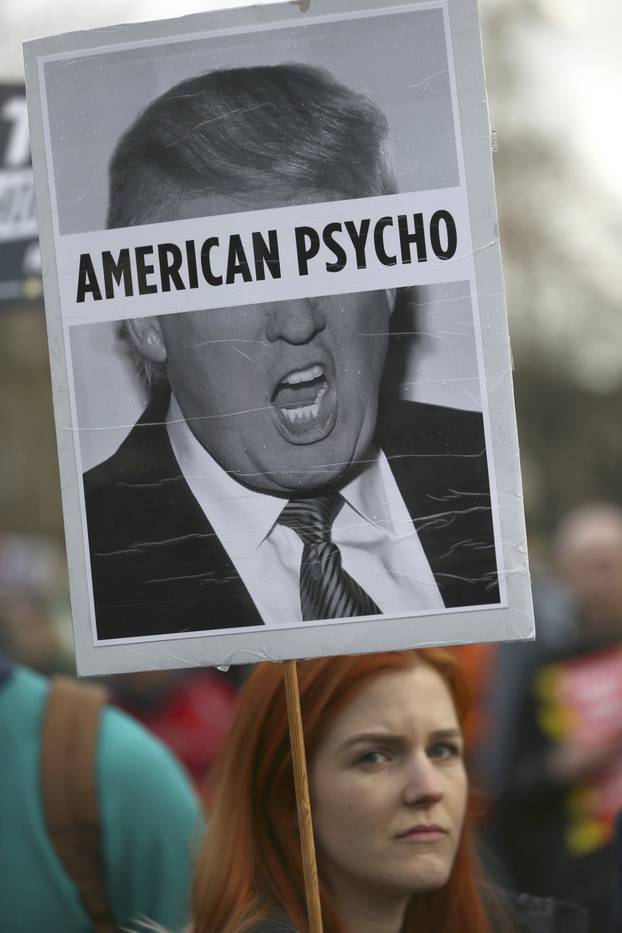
<point>552,761</point>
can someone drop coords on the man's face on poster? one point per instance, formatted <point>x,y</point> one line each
<point>283,395</point>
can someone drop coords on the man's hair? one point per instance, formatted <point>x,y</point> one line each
<point>288,131</point>
<point>285,130</point>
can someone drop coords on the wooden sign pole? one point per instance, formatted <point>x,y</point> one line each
<point>303,803</point>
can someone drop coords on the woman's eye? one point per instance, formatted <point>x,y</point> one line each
<point>374,757</point>
<point>445,750</point>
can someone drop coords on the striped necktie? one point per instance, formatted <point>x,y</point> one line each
<point>327,591</point>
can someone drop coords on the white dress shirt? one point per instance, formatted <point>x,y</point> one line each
<point>379,546</point>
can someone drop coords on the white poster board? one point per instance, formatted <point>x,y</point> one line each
<point>277,333</point>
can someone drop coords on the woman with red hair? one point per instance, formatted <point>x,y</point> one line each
<point>389,796</point>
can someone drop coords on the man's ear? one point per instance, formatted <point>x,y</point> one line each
<point>391,298</point>
<point>146,335</point>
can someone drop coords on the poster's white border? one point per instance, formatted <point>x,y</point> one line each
<point>435,4</point>
<point>353,636</point>
<point>479,350</point>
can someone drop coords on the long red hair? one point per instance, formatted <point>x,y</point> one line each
<point>251,866</point>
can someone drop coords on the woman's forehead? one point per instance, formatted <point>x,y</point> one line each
<point>413,700</point>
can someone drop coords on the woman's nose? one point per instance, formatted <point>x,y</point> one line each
<point>423,783</point>
<point>296,321</point>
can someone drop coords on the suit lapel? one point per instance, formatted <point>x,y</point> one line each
<point>157,564</point>
<point>438,458</point>
<point>213,578</point>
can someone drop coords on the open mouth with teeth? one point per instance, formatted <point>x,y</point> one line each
<point>304,403</point>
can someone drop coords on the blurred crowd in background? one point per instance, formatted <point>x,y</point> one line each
<point>546,736</point>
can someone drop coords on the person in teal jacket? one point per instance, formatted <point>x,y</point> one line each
<point>150,822</point>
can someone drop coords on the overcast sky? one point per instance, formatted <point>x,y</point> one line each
<point>573,78</point>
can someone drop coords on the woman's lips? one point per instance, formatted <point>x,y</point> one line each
<point>423,833</point>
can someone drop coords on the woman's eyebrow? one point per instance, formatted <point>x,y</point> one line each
<point>398,740</point>
<point>382,737</point>
<point>439,734</point>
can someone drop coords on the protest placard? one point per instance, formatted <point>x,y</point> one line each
<point>20,263</point>
<point>278,336</point>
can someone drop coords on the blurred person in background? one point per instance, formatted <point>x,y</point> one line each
<point>390,801</point>
<point>615,918</point>
<point>27,632</point>
<point>553,760</point>
<point>189,711</point>
<point>33,598</point>
<point>149,821</point>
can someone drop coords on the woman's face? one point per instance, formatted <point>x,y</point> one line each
<point>389,788</point>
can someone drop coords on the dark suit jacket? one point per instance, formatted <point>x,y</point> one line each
<point>615,916</point>
<point>158,566</point>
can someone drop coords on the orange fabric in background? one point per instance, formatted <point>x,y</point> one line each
<point>477,663</point>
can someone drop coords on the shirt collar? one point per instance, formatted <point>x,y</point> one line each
<point>367,493</point>
<point>240,516</point>
<point>244,517</point>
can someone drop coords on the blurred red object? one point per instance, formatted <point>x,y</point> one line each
<point>189,712</point>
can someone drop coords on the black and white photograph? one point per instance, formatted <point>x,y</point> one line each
<point>287,423</point>
<point>273,477</point>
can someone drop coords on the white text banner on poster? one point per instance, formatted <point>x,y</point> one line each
<point>418,238</point>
